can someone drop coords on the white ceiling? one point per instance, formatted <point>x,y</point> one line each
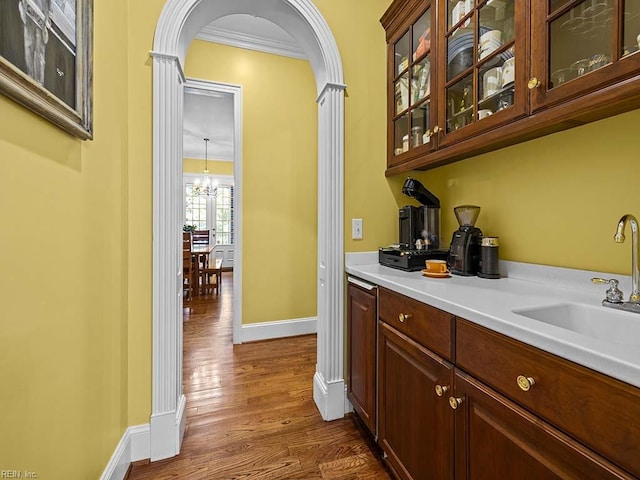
<point>211,115</point>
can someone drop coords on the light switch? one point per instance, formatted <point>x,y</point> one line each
<point>356,228</point>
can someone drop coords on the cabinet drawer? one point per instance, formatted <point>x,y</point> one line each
<point>595,409</point>
<point>427,325</point>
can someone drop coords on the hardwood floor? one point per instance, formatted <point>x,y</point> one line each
<point>250,409</point>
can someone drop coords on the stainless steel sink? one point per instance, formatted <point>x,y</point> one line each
<point>613,326</point>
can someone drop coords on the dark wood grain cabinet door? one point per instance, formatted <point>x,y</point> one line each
<point>496,439</point>
<point>361,358</point>
<point>411,79</point>
<point>483,61</point>
<point>415,425</point>
<point>581,46</point>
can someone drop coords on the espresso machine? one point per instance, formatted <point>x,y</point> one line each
<point>418,231</point>
<point>464,256</point>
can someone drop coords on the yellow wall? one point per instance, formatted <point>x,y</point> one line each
<point>368,194</point>
<point>215,167</point>
<point>555,200</point>
<point>63,258</point>
<point>279,165</point>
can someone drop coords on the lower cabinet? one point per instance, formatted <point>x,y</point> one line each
<point>495,438</point>
<point>415,425</point>
<point>488,407</point>
<point>361,358</point>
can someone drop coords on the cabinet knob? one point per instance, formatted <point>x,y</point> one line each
<point>525,383</point>
<point>455,402</point>
<point>441,389</point>
<point>533,83</point>
<point>404,316</point>
<point>436,129</point>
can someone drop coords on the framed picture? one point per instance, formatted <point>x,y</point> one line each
<point>46,60</point>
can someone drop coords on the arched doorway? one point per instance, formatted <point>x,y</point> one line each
<point>179,23</point>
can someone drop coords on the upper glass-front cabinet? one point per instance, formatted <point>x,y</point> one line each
<point>412,82</point>
<point>484,65</point>
<point>582,45</point>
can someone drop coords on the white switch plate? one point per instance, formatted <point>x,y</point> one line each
<point>356,228</point>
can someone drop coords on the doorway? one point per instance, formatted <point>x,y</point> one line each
<point>232,256</point>
<point>179,22</point>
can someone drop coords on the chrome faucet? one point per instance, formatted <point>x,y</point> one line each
<point>614,296</point>
<point>635,271</point>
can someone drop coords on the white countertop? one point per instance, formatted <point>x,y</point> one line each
<point>490,303</point>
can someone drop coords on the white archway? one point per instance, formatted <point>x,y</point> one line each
<point>179,23</point>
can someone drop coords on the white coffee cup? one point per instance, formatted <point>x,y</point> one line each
<point>492,81</point>
<point>484,113</point>
<point>508,71</point>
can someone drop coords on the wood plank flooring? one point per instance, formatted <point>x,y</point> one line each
<point>250,410</point>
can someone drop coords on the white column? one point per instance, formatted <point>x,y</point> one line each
<point>168,402</point>
<point>328,384</point>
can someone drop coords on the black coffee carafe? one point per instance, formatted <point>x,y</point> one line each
<point>464,255</point>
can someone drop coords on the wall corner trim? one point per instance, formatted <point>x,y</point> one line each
<point>133,446</point>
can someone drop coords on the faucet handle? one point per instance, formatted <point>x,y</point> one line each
<point>614,294</point>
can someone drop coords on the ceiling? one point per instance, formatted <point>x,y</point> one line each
<point>210,114</point>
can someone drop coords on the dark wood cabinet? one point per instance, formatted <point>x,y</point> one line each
<point>415,425</point>
<point>457,400</point>
<point>581,46</point>
<point>467,77</point>
<point>597,410</point>
<point>361,358</point>
<point>495,438</point>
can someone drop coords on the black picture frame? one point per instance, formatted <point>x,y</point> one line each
<point>57,38</point>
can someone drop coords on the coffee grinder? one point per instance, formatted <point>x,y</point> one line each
<point>464,255</point>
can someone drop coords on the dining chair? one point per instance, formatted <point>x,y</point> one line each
<point>188,275</point>
<point>201,237</point>
<point>186,241</point>
<point>211,276</point>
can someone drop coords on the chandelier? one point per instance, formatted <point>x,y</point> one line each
<point>204,188</point>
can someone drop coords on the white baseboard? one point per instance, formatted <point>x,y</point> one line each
<point>133,446</point>
<point>329,397</point>
<point>280,329</point>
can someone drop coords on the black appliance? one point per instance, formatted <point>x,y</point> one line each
<point>464,256</point>
<point>409,260</point>
<point>418,231</point>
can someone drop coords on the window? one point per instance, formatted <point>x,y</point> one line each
<point>196,208</point>
<point>224,215</point>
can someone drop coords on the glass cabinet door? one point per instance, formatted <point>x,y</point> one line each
<point>484,85</point>
<point>412,86</point>
<point>581,45</point>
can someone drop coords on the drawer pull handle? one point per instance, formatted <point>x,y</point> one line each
<point>441,390</point>
<point>525,383</point>
<point>455,402</point>
<point>404,316</point>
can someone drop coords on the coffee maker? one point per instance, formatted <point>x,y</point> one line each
<point>419,223</point>
<point>464,256</point>
<point>418,231</point>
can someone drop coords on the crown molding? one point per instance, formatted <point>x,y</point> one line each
<point>251,42</point>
